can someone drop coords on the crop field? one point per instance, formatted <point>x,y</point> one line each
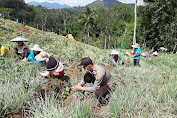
<point>145,91</point>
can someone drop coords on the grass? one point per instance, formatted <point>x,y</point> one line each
<point>150,90</point>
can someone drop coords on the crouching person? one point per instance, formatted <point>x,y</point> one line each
<point>101,79</point>
<point>53,67</point>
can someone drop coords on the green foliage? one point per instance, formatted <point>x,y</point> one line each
<point>158,24</point>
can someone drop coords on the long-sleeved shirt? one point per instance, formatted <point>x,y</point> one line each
<point>32,59</point>
<point>137,53</point>
<point>103,77</point>
<point>4,50</point>
<point>24,52</point>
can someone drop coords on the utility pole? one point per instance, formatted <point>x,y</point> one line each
<point>134,37</point>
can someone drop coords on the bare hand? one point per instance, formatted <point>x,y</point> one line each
<point>77,88</point>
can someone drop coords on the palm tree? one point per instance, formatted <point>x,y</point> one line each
<point>88,20</point>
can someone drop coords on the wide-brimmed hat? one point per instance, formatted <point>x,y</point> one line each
<point>42,56</point>
<point>115,52</point>
<point>85,62</point>
<point>19,39</point>
<point>136,45</point>
<point>155,53</point>
<point>36,48</point>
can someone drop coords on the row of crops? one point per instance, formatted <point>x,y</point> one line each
<point>148,91</point>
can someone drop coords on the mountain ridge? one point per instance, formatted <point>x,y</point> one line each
<point>50,5</point>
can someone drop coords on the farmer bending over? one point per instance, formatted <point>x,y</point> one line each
<point>4,51</point>
<point>21,50</point>
<point>115,58</point>
<point>52,67</point>
<point>35,51</point>
<point>101,79</point>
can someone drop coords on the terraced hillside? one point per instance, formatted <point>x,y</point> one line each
<point>147,91</point>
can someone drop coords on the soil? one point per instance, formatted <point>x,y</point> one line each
<point>57,85</point>
<point>13,115</point>
<point>54,84</point>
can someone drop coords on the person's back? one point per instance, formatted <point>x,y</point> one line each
<point>103,76</point>
<point>137,53</point>
<point>4,50</point>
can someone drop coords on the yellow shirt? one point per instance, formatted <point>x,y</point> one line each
<point>4,51</point>
<point>69,36</point>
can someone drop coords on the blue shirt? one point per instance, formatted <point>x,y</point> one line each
<point>32,59</point>
<point>139,53</point>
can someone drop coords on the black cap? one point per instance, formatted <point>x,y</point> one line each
<point>85,62</point>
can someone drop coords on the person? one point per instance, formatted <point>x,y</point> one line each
<point>21,50</point>
<point>35,51</point>
<point>136,54</point>
<point>155,54</point>
<point>150,53</point>
<point>70,36</point>
<point>53,67</point>
<point>115,57</point>
<point>143,55</point>
<point>101,79</point>
<point>4,51</point>
<point>127,53</point>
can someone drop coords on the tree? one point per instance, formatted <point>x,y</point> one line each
<point>65,16</point>
<point>88,20</point>
<point>159,21</point>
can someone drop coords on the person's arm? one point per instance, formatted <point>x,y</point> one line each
<point>113,60</point>
<point>16,51</point>
<point>31,56</point>
<point>81,83</point>
<point>25,52</point>
<point>45,73</point>
<point>99,78</point>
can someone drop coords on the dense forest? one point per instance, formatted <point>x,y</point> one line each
<point>103,26</point>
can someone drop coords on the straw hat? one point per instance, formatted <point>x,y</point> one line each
<point>115,52</point>
<point>19,39</point>
<point>42,56</point>
<point>136,45</point>
<point>36,48</point>
<point>155,53</point>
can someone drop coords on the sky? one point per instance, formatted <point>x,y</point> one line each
<point>81,2</point>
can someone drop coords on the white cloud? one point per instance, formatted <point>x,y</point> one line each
<point>140,2</point>
<point>81,2</point>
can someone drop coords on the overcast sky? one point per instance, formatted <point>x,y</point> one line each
<point>81,2</point>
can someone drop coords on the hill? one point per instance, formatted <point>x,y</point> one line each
<point>50,5</point>
<point>62,48</point>
<point>104,4</point>
<point>145,91</point>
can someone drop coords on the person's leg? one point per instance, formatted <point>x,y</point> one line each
<point>102,91</point>
<point>58,74</point>
<point>134,62</point>
<point>138,60</point>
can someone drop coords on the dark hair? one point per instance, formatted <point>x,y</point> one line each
<point>89,78</point>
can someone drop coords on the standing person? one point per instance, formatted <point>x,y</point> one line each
<point>52,67</point>
<point>21,50</point>
<point>35,51</point>
<point>3,50</point>
<point>102,80</point>
<point>136,54</point>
